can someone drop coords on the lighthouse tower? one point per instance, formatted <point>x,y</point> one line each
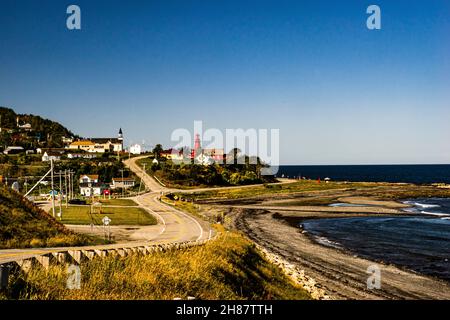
<point>197,146</point>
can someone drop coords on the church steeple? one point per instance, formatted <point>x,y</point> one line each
<point>120,135</point>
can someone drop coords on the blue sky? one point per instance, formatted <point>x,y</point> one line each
<point>338,92</point>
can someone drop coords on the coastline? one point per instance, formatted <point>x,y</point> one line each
<point>327,272</point>
<point>339,273</point>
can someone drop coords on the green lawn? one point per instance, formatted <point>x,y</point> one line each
<point>118,202</point>
<point>118,216</point>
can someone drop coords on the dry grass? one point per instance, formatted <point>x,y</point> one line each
<point>267,189</point>
<point>23,225</point>
<point>229,267</point>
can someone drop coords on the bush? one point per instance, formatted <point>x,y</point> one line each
<point>37,243</point>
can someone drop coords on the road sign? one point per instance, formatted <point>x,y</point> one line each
<point>106,221</point>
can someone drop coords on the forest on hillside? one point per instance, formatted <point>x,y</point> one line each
<point>44,132</point>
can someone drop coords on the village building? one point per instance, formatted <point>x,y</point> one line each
<point>172,154</point>
<point>51,156</point>
<point>99,145</point>
<point>136,149</point>
<point>25,127</point>
<point>81,156</point>
<point>14,150</point>
<point>67,140</point>
<point>204,156</point>
<point>84,145</point>
<point>90,185</point>
<point>122,183</point>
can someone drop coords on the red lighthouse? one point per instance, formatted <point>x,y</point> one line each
<point>197,147</point>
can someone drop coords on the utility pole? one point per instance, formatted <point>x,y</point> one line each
<point>123,184</point>
<point>65,185</point>
<point>53,189</point>
<point>60,195</point>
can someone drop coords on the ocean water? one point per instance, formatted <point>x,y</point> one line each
<point>374,173</point>
<point>420,243</point>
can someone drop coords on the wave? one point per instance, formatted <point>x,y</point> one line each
<point>436,213</point>
<point>423,205</point>
<point>327,242</point>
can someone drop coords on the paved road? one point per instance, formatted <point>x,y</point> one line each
<point>173,225</point>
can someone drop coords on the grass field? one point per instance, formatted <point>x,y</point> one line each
<point>118,216</point>
<point>229,267</point>
<point>117,202</point>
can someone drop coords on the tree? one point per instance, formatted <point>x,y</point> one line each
<point>157,150</point>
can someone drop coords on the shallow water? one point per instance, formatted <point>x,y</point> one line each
<point>420,243</point>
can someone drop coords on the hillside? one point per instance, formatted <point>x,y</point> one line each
<point>24,225</point>
<point>42,133</point>
<point>228,268</point>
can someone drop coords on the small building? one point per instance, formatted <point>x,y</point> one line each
<point>13,150</point>
<point>81,155</point>
<point>26,127</point>
<point>67,140</point>
<point>84,145</point>
<point>204,159</point>
<point>90,185</point>
<point>89,178</point>
<point>51,156</point>
<point>136,149</point>
<point>172,154</point>
<point>125,183</point>
<point>91,189</point>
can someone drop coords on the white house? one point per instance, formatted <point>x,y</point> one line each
<point>14,150</point>
<point>48,156</point>
<point>81,155</point>
<point>204,160</point>
<point>136,149</point>
<point>122,183</point>
<point>94,190</point>
<point>89,185</point>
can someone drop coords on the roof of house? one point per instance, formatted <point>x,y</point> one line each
<point>124,179</point>
<point>52,154</point>
<point>82,143</point>
<point>14,148</point>
<point>106,140</point>
<point>90,176</point>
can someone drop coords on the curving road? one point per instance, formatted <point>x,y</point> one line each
<point>173,226</point>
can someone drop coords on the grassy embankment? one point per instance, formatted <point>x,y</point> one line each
<point>268,189</point>
<point>382,191</point>
<point>229,267</point>
<point>120,211</point>
<point>23,225</point>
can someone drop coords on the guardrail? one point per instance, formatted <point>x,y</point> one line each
<point>77,256</point>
